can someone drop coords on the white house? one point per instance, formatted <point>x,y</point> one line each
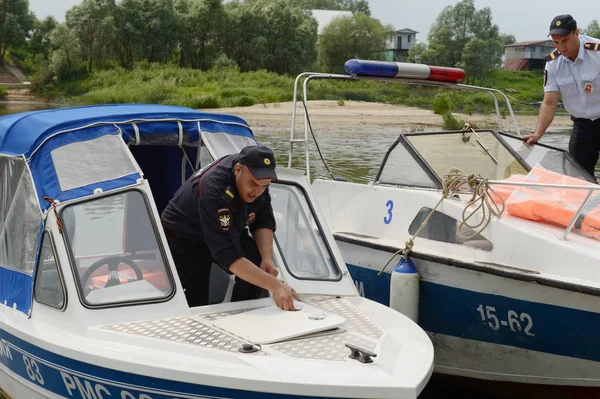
<point>399,44</point>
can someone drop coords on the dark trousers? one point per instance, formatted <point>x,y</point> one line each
<point>193,261</point>
<point>584,144</point>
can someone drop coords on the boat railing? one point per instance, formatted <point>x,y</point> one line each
<point>307,77</point>
<point>590,188</point>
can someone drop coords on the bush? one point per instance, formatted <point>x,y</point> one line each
<point>3,92</point>
<point>441,104</point>
<point>243,101</point>
<point>341,102</point>
<point>451,123</point>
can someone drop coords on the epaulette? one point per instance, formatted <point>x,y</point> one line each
<point>592,46</point>
<point>552,56</point>
<point>228,194</point>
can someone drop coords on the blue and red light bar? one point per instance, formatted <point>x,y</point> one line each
<point>386,69</point>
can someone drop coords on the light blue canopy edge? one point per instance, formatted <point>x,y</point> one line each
<point>22,134</point>
<point>33,135</point>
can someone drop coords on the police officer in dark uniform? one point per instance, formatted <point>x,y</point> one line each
<point>573,69</point>
<point>208,219</point>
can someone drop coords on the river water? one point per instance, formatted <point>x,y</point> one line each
<point>356,156</point>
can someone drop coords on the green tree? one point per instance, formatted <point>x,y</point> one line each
<point>356,6</point>
<point>420,54</point>
<point>506,38</point>
<point>451,40</point>
<point>278,36</point>
<point>244,23</point>
<point>593,29</point>
<point>206,23</point>
<point>39,44</point>
<point>129,32</point>
<point>16,22</point>
<point>160,30</point>
<point>479,57</point>
<point>358,36</point>
<point>93,23</point>
<point>66,55</point>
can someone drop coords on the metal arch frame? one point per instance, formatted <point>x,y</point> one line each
<point>308,76</point>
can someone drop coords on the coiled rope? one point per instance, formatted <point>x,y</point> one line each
<point>456,181</point>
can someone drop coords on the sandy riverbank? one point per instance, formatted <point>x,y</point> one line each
<point>365,116</point>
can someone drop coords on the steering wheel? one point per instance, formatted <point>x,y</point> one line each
<point>113,263</point>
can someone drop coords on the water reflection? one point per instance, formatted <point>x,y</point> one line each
<point>14,108</point>
<point>358,156</point>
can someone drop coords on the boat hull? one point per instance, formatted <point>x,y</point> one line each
<point>491,326</point>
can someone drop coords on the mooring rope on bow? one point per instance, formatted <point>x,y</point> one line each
<point>456,181</point>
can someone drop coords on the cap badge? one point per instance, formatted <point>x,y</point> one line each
<point>267,161</point>
<point>558,23</point>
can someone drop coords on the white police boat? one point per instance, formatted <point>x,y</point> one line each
<point>90,302</point>
<point>514,300</point>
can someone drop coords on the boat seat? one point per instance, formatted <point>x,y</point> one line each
<point>221,285</point>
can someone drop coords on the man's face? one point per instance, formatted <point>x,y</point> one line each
<point>248,187</point>
<point>567,45</point>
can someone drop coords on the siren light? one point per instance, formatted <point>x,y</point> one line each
<point>387,69</point>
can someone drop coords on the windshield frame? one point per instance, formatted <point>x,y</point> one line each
<point>314,215</point>
<point>404,139</point>
<point>564,152</point>
<point>161,249</point>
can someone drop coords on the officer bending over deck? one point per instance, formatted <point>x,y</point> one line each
<point>573,69</point>
<point>206,221</point>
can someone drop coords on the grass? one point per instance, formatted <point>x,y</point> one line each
<point>227,87</point>
<point>3,92</point>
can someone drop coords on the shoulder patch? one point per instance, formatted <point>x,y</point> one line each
<point>224,216</point>
<point>592,46</point>
<point>552,56</point>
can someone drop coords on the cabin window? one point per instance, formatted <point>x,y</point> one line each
<point>226,143</point>
<point>68,161</point>
<point>444,228</point>
<point>115,250</point>
<point>20,216</point>
<point>299,236</point>
<point>205,157</point>
<point>49,287</point>
<point>401,168</point>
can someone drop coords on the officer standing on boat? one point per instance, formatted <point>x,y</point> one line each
<point>573,69</point>
<point>208,219</point>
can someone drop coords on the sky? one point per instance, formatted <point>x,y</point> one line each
<point>525,19</point>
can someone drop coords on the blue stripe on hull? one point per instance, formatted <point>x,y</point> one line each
<point>70,378</point>
<point>494,318</point>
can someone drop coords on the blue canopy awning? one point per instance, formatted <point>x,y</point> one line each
<point>22,134</point>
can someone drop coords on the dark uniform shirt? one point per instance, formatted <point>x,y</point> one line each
<point>208,209</point>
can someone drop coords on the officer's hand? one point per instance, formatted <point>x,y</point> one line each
<point>269,267</point>
<point>284,296</point>
<point>532,138</point>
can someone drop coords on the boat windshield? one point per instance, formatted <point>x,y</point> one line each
<point>114,250</point>
<point>553,159</point>
<point>299,236</point>
<point>422,159</point>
